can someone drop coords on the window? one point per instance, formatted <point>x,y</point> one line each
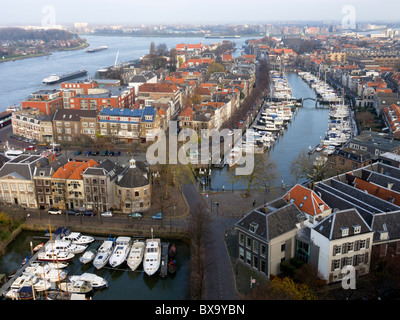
<point>255,262</point>
<point>253,227</point>
<point>283,247</point>
<point>357,229</point>
<point>263,250</point>
<point>255,246</point>
<point>362,244</point>
<point>241,254</point>
<point>248,242</point>
<point>241,239</point>
<point>248,257</point>
<point>345,231</point>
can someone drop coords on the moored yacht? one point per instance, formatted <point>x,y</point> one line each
<point>78,238</point>
<point>152,256</point>
<point>66,246</point>
<point>55,255</point>
<point>95,281</point>
<point>121,251</point>
<point>136,254</point>
<point>103,254</point>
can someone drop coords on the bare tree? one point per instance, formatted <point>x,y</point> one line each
<point>198,227</point>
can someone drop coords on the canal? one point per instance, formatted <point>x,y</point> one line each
<point>124,284</point>
<point>307,127</point>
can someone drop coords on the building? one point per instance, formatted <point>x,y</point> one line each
<point>154,91</point>
<point>267,236</point>
<point>343,239</point>
<point>347,159</point>
<point>42,177</point>
<point>74,125</point>
<point>128,124</point>
<point>375,143</point>
<point>31,124</point>
<point>16,180</point>
<point>45,101</point>
<point>68,191</point>
<point>99,184</point>
<point>133,188</point>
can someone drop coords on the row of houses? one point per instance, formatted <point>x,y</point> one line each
<point>343,221</point>
<point>35,181</point>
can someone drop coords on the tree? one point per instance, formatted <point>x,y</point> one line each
<point>152,48</point>
<point>307,167</point>
<point>262,176</point>
<point>215,67</point>
<point>162,50</point>
<point>198,230</point>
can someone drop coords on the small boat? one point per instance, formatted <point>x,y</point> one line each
<point>78,286</point>
<point>46,272</point>
<point>88,256</point>
<point>172,251</point>
<point>152,256</point>
<point>136,254</point>
<point>67,246</point>
<point>78,238</point>
<point>38,247</point>
<point>24,261</point>
<point>95,281</point>
<point>104,254</point>
<point>172,266</point>
<point>55,255</point>
<point>121,251</point>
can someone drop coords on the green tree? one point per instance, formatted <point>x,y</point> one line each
<point>215,67</point>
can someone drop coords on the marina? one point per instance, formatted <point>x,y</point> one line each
<point>54,279</point>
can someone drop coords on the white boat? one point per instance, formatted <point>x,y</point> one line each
<point>87,257</point>
<point>31,281</point>
<point>121,251</point>
<point>78,238</point>
<point>103,254</point>
<point>66,246</point>
<point>79,286</point>
<point>95,281</point>
<point>55,255</point>
<point>152,256</point>
<point>46,272</point>
<point>136,254</point>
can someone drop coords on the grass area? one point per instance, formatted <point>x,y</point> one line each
<point>7,226</point>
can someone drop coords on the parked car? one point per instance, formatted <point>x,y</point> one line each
<point>55,211</point>
<point>107,214</point>
<point>135,215</point>
<point>73,213</point>
<point>88,153</point>
<point>104,153</point>
<point>95,153</point>
<point>111,153</point>
<point>30,148</point>
<point>157,216</point>
<point>77,153</point>
<point>88,213</point>
<point>116,154</point>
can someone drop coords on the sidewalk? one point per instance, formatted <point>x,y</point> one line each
<point>234,204</point>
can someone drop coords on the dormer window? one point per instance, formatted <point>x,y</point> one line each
<point>253,227</point>
<point>345,231</point>
<point>357,229</point>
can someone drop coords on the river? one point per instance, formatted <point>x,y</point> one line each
<point>306,128</point>
<point>22,77</point>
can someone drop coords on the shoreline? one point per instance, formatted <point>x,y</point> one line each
<point>36,55</point>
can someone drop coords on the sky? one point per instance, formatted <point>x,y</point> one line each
<point>133,12</point>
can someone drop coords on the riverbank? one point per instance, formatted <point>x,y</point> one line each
<point>36,55</point>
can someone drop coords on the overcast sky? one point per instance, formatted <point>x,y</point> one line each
<point>189,11</point>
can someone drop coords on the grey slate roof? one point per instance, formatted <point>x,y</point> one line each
<point>133,177</point>
<point>23,166</point>
<point>389,222</point>
<point>273,223</point>
<point>331,226</point>
<point>73,115</point>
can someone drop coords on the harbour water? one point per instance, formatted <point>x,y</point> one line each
<point>307,127</point>
<point>124,284</point>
